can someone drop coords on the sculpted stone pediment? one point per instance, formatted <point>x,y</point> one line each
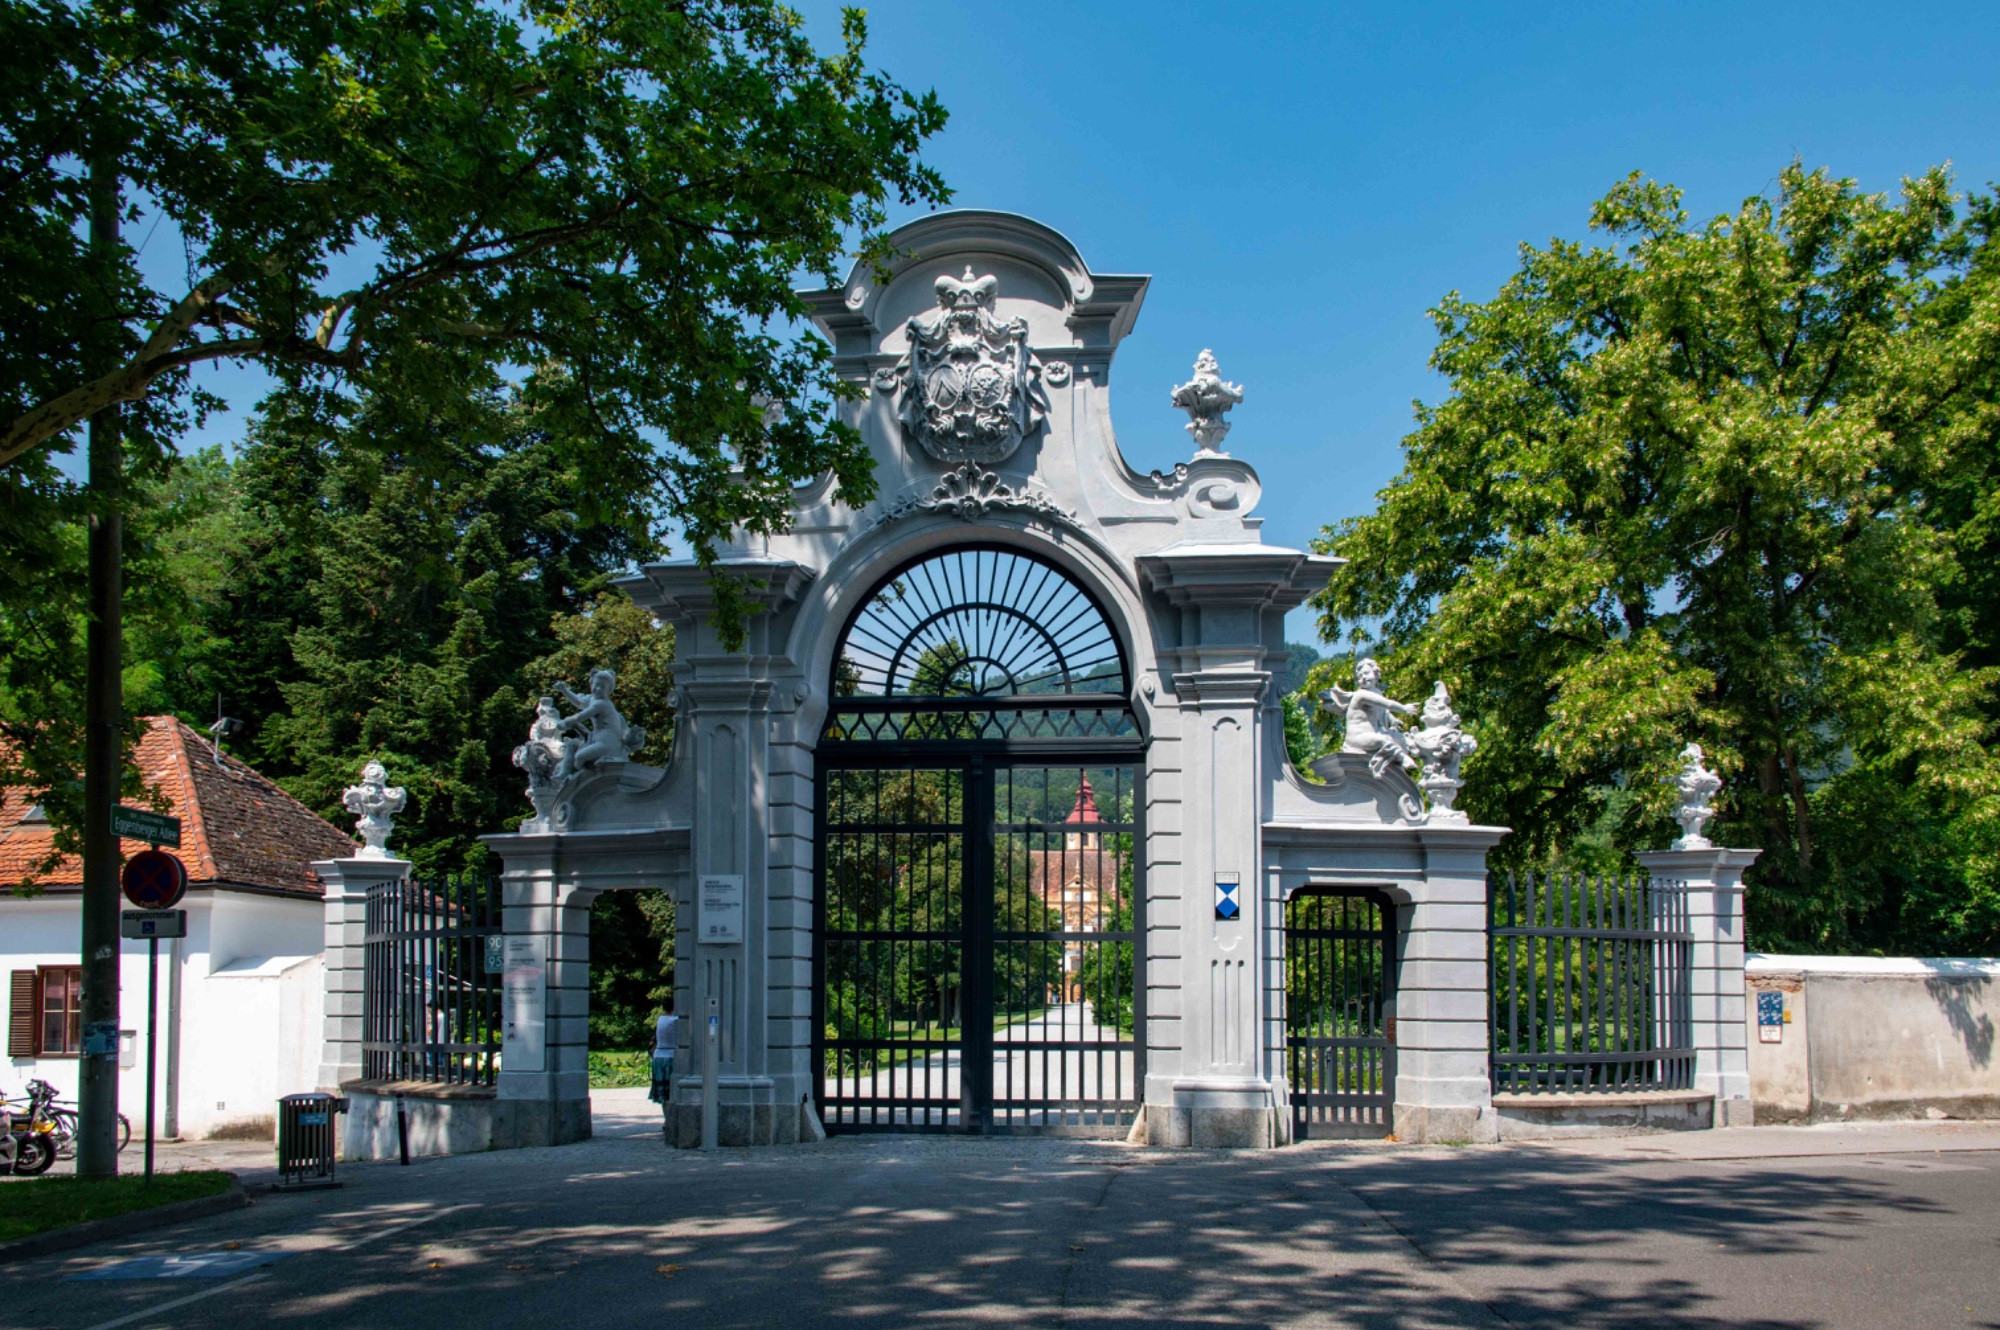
<point>1358,789</point>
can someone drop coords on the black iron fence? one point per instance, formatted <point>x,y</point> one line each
<point>1590,980</point>
<point>431,986</point>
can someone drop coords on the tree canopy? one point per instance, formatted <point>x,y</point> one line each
<point>625,188</point>
<point>418,216</point>
<point>1733,482</point>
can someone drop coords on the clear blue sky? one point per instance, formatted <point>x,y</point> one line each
<point>1304,181</point>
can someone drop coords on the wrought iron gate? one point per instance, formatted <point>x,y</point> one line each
<point>978,918</point>
<point>430,1002</point>
<point>979,948</point>
<point>1340,1002</point>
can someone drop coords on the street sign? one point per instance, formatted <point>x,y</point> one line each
<point>154,880</point>
<point>143,924</point>
<point>143,824</point>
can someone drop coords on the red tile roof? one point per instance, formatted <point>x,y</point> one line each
<point>237,828</point>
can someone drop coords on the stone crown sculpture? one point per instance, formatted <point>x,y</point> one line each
<point>1441,745</point>
<point>1697,786</point>
<point>561,748</point>
<point>1207,400</point>
<point>970,390</point>
<point>374,802</point>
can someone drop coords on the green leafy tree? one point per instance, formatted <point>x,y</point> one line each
<point>372,600</point>
<point>1721,483</point>
<point>398,204</point>
<point>631,967</point>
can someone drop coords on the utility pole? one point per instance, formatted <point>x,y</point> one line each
<point>104,713</point>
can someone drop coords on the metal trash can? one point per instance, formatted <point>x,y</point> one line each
<point>308,1140</point>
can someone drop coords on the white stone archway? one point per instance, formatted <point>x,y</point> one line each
<point>1022,456</point>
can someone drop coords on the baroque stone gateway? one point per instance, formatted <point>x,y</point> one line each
<point>986,822</point>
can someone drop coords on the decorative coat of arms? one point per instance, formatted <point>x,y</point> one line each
<point>970,389</point>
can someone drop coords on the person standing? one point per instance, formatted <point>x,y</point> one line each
<point>665,1034</point>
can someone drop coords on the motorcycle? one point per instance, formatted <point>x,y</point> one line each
<point>25,1148</point>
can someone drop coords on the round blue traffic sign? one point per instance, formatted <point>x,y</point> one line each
<point>154,880</point>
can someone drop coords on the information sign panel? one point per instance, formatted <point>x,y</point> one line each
<point>721,907</point>
<point>525,1003</point>
<point>1770,1016</point>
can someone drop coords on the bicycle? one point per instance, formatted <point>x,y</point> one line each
<point>59,1121</point>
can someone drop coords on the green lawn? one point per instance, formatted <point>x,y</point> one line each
<point>618,1071</point>
<point>35,1205</point>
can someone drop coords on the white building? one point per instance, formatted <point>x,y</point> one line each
<point>240,1005</point>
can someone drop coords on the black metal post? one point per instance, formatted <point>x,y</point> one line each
<point>402,1134</point>
<point>152,1041</point>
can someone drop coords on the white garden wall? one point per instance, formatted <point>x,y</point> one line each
<point>1873,1037</point>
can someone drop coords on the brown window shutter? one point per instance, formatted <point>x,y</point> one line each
<point>23,1015</point>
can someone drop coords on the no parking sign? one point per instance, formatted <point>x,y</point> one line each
<point>154,880</point>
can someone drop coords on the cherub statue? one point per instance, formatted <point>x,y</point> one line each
<point>1371,728</point>
<point>1697,786</point>
<point>375,803</point>
<point>603,734</point>
<point>1442,745</point>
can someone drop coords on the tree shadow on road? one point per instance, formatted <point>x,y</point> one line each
<point>887,1232</point>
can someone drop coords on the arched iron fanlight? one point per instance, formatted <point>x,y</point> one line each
<point>976,630</point>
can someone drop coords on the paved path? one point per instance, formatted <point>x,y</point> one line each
<point>1021,1073</point>
<point>1773,1229</point>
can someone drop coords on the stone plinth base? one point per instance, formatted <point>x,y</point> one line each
<point>1223,1113</point>
<point>748,1115</point>
<point>1426,1124</point>
<point>1545,1117</point>
<point>1203,1128</point>
<point>454,1120</point>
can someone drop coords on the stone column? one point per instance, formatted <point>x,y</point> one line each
<point>1221,611</point>
<point>544,1081</point>
<point>347,883</point>
<point>1444,1087</point>
<point>1712,880</point>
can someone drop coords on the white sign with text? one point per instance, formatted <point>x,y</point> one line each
<point>721,912</point>
<point>524,983</point>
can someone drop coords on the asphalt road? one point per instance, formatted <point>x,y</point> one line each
<point>1763,1228</point>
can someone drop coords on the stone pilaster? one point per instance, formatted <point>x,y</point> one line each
<point>1222,623</point>
<point>1712,882</point>
<point>346,901</point>
<point>544,1067</point>
<point>726,719</point>
<point>1222,1093</point>
<point>1444,1088</point>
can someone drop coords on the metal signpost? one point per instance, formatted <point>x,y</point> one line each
<point>710,1099</point>
<point>154,881</point>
